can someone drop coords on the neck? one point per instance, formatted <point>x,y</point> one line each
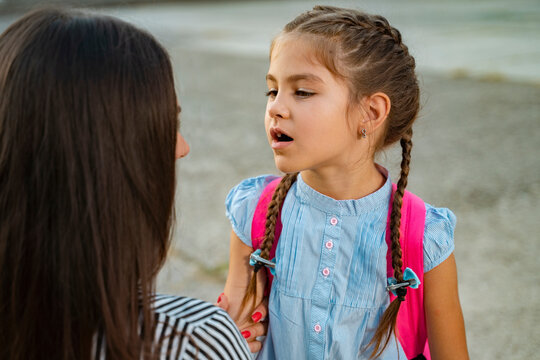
<point>345,184</point>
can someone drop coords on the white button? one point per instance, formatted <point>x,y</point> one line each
<point>329,244</point>
<point>326,271</point>
<point>334,221</point>
<point>317,328</point>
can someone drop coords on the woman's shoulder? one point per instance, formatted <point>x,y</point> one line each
<point>183,307</point>
<point>190,311</point>
<point>209,331</point>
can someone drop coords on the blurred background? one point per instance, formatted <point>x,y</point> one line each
<point>476,143</point>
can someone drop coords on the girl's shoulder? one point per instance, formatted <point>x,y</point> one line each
<point>248,188</point>
<point>438,236</point>
<point>241,202</point>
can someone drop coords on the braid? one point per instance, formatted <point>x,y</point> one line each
<point>269,234</point>
<point>273,212</point>
<point>395,217</point>
<point>387,325</point>
<point>348,18</point>
<point>381,24</point>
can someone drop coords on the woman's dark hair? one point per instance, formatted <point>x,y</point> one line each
<point>88,122</point>
<point>368,53</point>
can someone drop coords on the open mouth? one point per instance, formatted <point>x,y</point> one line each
<point>280,136</point>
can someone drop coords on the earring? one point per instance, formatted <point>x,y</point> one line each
<point>364,135</point>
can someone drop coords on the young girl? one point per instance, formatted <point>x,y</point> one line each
<point>342,86</point>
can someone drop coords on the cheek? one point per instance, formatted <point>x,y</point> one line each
<point>339,120</point>
<point>267,114</point>
<point>328,128</point>
<point>266,121</point>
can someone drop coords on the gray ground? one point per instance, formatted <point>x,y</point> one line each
<point>476,143</point>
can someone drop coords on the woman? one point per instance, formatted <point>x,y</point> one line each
<point>88,142</point>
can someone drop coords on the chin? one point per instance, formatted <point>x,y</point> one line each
<point>285,166</point>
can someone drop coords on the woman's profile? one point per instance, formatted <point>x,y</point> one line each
<point>88,143</point>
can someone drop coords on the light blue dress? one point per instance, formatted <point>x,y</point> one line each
<point>329,292</point>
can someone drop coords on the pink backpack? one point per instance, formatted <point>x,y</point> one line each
<point>411,321</point>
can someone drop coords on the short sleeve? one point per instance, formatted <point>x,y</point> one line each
<point>438,236</point>
<point>241,203</point>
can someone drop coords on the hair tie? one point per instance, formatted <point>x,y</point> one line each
<point>257,262</point>
<point>401,292</point>
<point>399,289</point>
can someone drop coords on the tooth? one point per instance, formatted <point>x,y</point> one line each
<point>278,135</point>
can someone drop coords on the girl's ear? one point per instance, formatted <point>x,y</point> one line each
<point>376,108</point>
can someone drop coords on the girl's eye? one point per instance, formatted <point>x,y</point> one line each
<point>271,92</point>
<point>303,93</point>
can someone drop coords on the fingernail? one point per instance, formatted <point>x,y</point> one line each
<point>219,298</point>
<point>246,334</point>
<point>256,317</point>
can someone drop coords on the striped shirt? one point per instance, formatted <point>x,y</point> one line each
<point>189,328</point>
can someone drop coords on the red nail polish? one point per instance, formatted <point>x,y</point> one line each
<point>256,317</point>
<point>246,334</point>
<point>219,298</point>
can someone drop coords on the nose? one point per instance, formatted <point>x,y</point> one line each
<point>182,147</point>
<point>277,108</point>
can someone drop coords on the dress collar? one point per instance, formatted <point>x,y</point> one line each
<point>369,203</point>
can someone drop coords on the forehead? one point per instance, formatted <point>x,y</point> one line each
<point>292,55</point>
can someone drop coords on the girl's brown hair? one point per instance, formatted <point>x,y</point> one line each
<point>88,122</point>
<point>370,56</point>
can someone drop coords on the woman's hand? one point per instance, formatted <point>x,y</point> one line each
<point>257,326</point>
<point>251,322</point>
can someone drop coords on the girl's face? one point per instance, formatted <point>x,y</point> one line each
<point>306,118</point>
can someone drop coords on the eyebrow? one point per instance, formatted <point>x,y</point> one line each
<point>297,77</point>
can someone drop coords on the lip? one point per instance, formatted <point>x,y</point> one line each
<point>275,144</point>
<point>279,145</point>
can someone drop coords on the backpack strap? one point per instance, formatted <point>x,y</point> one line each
<point>258,226</point>
<point>411,320</point>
